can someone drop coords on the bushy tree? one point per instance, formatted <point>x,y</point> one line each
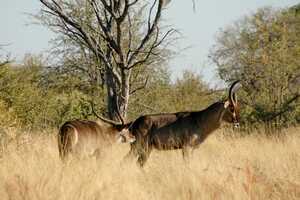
<point>190,92</point>
<point>263,51</point>
<point>32,96</point>
<point>186,93</point>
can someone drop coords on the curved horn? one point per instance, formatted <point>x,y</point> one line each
<point>120,117</point>
<point>119,114</point>
<point>102,118</point>
<point>234,98</point>
<point>233,88</point>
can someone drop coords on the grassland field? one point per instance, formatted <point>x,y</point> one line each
<point>248,167</point>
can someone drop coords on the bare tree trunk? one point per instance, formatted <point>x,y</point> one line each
<point>125,93</point>
<point>112,105</point>
<point>118,96</point>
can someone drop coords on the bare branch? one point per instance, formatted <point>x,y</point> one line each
<point>112,43</point>
<point>150,14</point>
<point>107,7</point>
<point>124,13</point>
<point>285,108</point>
<point>129,37</point>
<point>141,87</point>
<point>147,106</point>
<point>57,9</point>
<point>119,113</point>
<point>148,35</point>
<point>154,45</point>
<point>98,116</point>
<point>132,3</point>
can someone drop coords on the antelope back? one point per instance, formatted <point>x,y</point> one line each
<point>84,137</point>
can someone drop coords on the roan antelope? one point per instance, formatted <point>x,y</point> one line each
<point>86,138</point>
<point>181,130</point>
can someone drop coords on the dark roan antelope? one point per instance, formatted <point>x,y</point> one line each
<point>84,138</point>
<point>182,129</point>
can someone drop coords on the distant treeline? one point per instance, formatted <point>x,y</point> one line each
<point>35,96</point>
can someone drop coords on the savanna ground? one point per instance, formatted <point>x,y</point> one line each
<point>249,167</point>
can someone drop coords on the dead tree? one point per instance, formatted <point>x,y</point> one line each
<point>106,30</point>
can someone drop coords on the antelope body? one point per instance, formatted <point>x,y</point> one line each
<point>181,130</point>
<point>87,138</point>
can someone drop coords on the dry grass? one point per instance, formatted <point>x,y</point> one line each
<point>249,167</point>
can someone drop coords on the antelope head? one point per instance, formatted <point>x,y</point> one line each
<point>125,136</point>
<point>232,114</point>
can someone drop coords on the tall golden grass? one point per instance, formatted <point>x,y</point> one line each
<point>250,167</point>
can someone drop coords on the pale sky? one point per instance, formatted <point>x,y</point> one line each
<point>198,28</point>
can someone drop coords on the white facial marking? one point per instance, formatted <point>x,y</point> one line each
<point>226,104</point>
<point>236,125</point>
<point>120,139</point>
<point>132,140</point>
<point>194,138</point>
<point>125,136</point>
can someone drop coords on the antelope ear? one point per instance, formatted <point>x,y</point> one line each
<point>226,104</point>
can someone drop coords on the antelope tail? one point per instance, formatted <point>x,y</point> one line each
<point>67,139</point>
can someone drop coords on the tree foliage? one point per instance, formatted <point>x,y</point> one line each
<point>29,99</point>
<point>3,59</point>
<point>35,96</point>
<point>263,51</point>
